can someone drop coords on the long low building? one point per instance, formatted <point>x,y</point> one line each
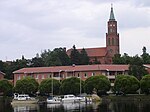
<point>63,72</point>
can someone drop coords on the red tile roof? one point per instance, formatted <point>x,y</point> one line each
<point>92,52</point>
<point>73,68</point>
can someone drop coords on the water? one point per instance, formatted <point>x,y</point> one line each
<point>126,106</point>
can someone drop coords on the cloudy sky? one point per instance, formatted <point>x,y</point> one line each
<point>28,27</point>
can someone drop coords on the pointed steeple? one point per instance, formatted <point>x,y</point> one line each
<point>112,17</point>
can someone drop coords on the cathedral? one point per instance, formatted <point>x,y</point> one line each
<point>104,55</point>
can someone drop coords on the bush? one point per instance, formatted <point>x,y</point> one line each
<point>126,84</point>
<point>71,86</point>
<point>145,84</point>
<point>6,87</point>
<point>100,83</point>
<point>46,86</point>
<point>27,85</point>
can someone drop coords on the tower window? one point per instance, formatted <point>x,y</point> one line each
<point>111,30</point>
<point>113,43</point>
<point>108,41</point>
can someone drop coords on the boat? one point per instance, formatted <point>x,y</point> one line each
<point>70,99</point>
<point>53,100</point>
<point>23,99</point>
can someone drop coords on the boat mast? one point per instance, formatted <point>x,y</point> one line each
<point>52,86</point>
<point>80,83</point>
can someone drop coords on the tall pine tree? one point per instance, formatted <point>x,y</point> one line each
<point>75,56</point>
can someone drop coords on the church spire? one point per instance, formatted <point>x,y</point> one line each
<point>112,17</point>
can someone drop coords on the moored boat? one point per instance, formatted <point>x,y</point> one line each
<point>53,100</point>
<point>23,99</point>
<point>70,99</point>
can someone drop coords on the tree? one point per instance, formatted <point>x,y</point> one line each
<point>145,56</point>
<point>36,61</point>
<point>126,84</point>
<point>63,57</point>
<point>26,85</point>
<point>84,57</point>
<point>118,59</point>
<point>75,56</point>
<point>71,86</point>
<point>145,84</point>
<point>100,82</point>
<point>46,86</point>
<point>5,87</point>
<point>136,67</point>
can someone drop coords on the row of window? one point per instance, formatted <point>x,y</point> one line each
<point>56,76</point>
<point>113,41</point>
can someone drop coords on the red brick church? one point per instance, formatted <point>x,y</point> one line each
<point>105,54</point>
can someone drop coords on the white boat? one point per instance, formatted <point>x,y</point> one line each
<point>53,100</point>
<point>70,99</point>
<point>85,99</point>
<point>23,99</point>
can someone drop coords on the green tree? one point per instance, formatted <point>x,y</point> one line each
<point>145,84</point>
<point>5,87</point>
<point>57,57</point>
<point>145,56</point>
<point>49,86</point>
<point>36,61</point>
<point>136,67</point>
<point>26,85</point>
<point>126,84</point>
<point>71,86</point>
<point>75,56</point>
<point>118,59</point>
<point>63,57</point>
<point>84,57</point>
<point>100,82</point>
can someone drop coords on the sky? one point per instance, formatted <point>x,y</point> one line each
<point>28,27</point>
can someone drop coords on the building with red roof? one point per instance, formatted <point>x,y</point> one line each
<point>105,54</point>
<point>63,72</point>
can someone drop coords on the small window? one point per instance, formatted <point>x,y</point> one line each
<point>37,76</point>
<point>78,75</point>
<point>85,75</point>
<point>19,77</point>
<point>43,77</point>
<point>93,74</point>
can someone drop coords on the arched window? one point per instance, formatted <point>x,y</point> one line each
<point>113,42</point>
<point>108,41</point>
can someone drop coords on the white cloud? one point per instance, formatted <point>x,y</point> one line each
<point>133,40</point>
<point>29,26</point>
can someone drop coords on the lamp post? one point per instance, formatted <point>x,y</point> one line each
<point>59,74</point>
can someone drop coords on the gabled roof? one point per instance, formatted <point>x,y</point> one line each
<point>76,68</point>
<point>92,52</point>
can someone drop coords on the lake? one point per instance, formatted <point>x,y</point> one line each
<point>115,106</point>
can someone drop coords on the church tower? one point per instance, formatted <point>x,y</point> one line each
<point>112,38</point>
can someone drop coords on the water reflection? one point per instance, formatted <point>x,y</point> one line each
<point>25,107</point>
<point>84,107</point>
<point>116,106</point>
